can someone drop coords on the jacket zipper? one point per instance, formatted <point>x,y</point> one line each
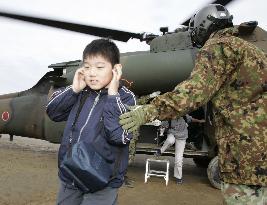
<point>89,116</point>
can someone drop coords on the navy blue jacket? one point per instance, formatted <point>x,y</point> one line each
<point>63,105</point>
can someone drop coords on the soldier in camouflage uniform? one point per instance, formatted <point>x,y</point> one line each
<point>232,74</point>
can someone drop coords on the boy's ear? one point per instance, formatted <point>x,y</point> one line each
<point>117,66</point>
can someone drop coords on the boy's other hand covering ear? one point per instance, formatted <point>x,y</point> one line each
<point>114,84</point>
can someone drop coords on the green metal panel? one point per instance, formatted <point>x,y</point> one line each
<point>171,42</point>
<point>162,71</point>
<point>53,130</point>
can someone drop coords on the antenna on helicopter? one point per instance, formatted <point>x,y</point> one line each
<point>164,30</point>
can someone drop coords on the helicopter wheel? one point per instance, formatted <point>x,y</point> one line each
<point>213,172</point>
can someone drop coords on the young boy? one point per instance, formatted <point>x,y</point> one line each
<point>98,78</point>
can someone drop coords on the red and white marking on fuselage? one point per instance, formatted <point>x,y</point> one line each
<point>5,116</point>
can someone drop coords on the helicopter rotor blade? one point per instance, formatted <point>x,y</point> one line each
<point>222,2</point>
<point>118,35</point>
<point>91,30</point>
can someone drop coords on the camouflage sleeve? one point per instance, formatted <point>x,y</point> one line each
<point>143,100</point>
<point>214,62</point>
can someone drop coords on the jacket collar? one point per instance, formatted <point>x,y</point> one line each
<point>103,91</point>
<point>232,31</point>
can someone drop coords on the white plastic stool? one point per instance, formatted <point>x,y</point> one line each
<point>151,172</point>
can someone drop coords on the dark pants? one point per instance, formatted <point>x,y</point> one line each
<point>69,195</point>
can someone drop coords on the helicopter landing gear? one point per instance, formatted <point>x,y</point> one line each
<point>201,161</point>
<point>213,172</point>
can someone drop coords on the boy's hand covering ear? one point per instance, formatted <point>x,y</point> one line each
<point>78,80</point>
<point>137,116</point>
<point>114,84</point>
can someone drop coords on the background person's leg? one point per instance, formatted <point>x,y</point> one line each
<point>168,142</point>
<point>178,161</point>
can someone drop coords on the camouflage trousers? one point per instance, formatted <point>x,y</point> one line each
<point>234,194</point>
<point>132,147</point>
<point>132,150</point>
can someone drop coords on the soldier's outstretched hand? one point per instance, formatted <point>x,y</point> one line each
<point>137,116</point>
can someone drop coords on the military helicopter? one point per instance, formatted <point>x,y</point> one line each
<point>169,61</point>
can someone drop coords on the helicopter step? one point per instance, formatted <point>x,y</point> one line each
<point>157,173</point>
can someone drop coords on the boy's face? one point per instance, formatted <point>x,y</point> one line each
<point>97,71</point>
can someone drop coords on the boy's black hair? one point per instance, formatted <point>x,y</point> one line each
<point>104,47</point>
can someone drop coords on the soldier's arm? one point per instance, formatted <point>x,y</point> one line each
<point>197,120</point>
<point>213,64</point>
<point>146,98</point>
<point>143,100</point>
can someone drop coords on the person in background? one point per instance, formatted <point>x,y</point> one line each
<point>177,133</point>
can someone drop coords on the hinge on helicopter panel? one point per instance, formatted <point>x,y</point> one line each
<point>247,28</point>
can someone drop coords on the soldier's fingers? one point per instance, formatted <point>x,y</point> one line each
<point>128,126</point>
<point>136,133</point>
<point>125,115</point>
<point>130,107</point>
<point>134,129</point>
<point>125,121</point>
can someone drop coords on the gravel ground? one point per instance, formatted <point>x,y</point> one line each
<point>29,176</point>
